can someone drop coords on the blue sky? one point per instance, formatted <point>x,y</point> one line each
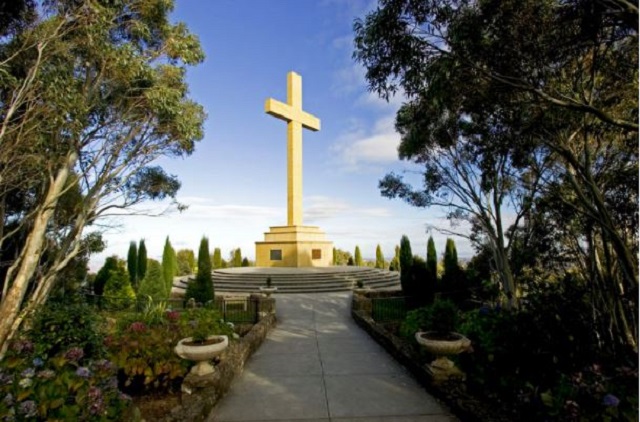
<point>235,182</point>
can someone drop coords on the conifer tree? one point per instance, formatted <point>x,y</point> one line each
<point>450,258</point>
<point>406,262</point>
<point>245,262</point>
<point>153,283</point>
<point>379,258</point>
<point>186,262</point>
<point>217,258</point>
<point>142,260</point>
<point>432,259</point>
<point>358,257</point>
<point>168,260</point>
<point>110,264</point>
<point>335,257</point>
<point>237,258</point>
<point>201,289</point>
<point>118,290</point>
<point>132,265</point>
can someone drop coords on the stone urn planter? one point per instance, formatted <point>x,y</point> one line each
<point>268,290</point>
<point>442,346</point>
<point>202,353</point>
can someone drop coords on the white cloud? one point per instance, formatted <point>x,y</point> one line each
<point>358,148</point>
<point>325,208</point>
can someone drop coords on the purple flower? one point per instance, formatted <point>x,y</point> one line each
<point>103,365</point>
<point>37,362</point>
<point>83,372</point>
<point>124,396</point>
<point>28,373</point>
<point>610,400</point>
<point>22,346</point>
<point>74,354</point>
<point>28,408</point>
<point>8,400</point>
<point>5,379</point>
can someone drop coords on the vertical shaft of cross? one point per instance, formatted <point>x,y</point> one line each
<point>294,153</point>
<point>296,119</point>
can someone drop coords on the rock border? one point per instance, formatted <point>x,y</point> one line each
<point>463,405</point>
<point>201,394</point>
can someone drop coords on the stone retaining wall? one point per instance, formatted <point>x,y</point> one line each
<point>200,394</point>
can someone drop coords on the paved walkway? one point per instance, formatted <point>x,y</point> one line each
<point>317,365</point>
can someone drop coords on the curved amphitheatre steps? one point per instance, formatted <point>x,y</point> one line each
<point>295,280</point>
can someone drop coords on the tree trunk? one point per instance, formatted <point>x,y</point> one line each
<point>23,270</point>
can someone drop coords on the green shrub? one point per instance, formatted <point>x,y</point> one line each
<point>441,316</point>
<point>57,326</point>
<point>202,322</point>
<point>67,386</point>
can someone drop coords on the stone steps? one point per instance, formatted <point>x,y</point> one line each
<point>292,281</point>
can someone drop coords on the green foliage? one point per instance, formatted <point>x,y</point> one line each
<point>358,257</point>
<point>143,352</point>
<point>168,264</point>
<point>110,264</point>
<point>132,265</point>
<point>442,316</point>
<point>217,259</point>
<point>142,260</point>
<point>450,260</point>
<point>199,323</point>
<point>118,291</point>
<point>350,262</point>
<point>236,257</point>
<point>67,385</point>
<point>201,289</point>
<point>334,258</point>
<point>379,258</point>
<point>432,259</point>
<point>186,262</point>
<point>405,258</point>
<point>153,284</point>
<point>341,257</point>
<point>60,325</point>
<point>245,262</point>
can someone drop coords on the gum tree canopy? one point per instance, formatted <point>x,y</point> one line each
<point>91,93</point>
<point>526,108</point>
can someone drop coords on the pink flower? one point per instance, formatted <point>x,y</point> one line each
<point>173,315</point>
<point>137,327</point>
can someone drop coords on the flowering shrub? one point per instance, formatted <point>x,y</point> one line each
<point>144,350</point>
<point>66,386</point>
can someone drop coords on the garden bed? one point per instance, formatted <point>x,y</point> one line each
<point>452,393</point>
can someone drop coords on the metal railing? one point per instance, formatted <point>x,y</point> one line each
<point>387,309</point>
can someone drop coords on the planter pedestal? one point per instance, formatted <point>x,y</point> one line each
<point>201,353</point>
<point>442,368</point>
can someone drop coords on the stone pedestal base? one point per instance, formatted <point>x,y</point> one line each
<point>294,246</point>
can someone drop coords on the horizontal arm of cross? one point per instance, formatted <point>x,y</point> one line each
<point>287,113</point>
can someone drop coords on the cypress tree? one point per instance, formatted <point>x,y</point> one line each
<point>245,262</point>
<point>118,290</point>
<point>132,265</point>
<point>201,289</point>
<point>450,259</point>
<point>358,257</point>
<point>217,258</point>
<point>335,257</point>
<point>142,260</point>
<point>350,262</point>
<point>110,264</point>
<point>237,258</point>
<point>406,262</point>
<point>432,260</point>
<point>153,283</point>
<point>379,258</point>
<point>168,259</point>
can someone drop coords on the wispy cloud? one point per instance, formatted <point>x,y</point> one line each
<point>324,208</point>
<point>360,148</point>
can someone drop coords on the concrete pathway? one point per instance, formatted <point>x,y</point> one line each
<point>317,365</point>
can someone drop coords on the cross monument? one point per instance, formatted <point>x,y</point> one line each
<point>294,245</point>
<point>296,119</point>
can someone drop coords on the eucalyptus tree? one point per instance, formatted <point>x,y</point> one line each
<point>91,93</point>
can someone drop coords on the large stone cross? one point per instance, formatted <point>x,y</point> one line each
<point>296,119</point>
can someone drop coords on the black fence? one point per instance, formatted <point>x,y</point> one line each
<point>388,309</point>
<point>239,310</point>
